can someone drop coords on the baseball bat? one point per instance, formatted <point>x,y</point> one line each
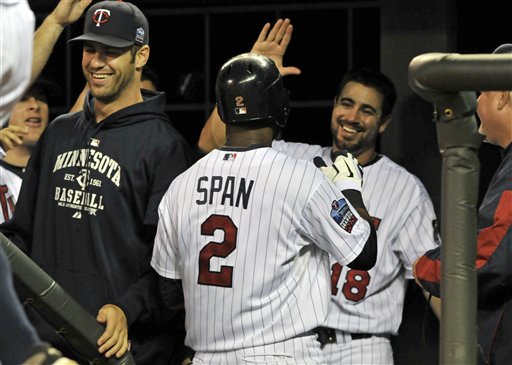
<point>70,320</point>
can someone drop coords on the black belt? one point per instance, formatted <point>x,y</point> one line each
<point>360,336</point>
<point>328,335</point>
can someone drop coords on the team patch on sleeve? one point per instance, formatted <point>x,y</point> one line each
<point>342,214</point>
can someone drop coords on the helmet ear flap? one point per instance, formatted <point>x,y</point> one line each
<point>250,88</point>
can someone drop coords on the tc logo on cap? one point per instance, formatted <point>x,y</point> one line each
<point>101,16</point>
<point>115,24</point>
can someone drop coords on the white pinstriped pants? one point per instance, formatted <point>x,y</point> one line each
<point>304,350</point>
<point>367,351</point>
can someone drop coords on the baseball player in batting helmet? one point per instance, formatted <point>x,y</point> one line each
<point>366,305</point>
<point>247,231</point>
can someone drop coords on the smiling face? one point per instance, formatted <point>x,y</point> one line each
<point>357,121</point>
<point>32,112</point>
<point>109,71</point>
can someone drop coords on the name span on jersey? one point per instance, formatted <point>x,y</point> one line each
<point>233,191</point>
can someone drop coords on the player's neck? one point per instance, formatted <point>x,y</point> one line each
<point>367,156</point>
<point>242,137</point>
<point>127,98</point>
<point>364,158</point>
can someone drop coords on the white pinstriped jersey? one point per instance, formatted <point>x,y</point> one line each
<point>403,214</point>
<point>17,24</point>
<point>10,185</point>
<point>245,231</point>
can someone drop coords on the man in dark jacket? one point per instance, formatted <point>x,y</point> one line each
<point>87,210</point>
<point>494,240</point>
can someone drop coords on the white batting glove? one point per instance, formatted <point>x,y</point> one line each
<point>345,172</point>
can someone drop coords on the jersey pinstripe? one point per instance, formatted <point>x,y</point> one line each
<point>10,185</point>
<point>17,24</point>
<point>371,301</point>
<point>238,229</point>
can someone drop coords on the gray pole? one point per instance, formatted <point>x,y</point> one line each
<point>69,319</point>
<point>458,144</point>
<point>439,78</point>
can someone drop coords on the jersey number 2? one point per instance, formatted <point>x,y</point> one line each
<point>355,286</point>
<point>224,277</point>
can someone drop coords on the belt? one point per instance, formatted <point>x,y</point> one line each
<point>360,336</point>
<point>328,335</point>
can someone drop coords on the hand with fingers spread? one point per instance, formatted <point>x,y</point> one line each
<point>12,136</point>
<point>114,341</point>
<point>273,44</point>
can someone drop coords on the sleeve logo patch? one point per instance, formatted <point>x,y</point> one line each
<point>342,214</point>
<point>229,157</point>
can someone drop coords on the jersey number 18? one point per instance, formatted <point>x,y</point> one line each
<point>355,285</point>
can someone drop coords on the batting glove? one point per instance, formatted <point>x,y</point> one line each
<point>345,172</point>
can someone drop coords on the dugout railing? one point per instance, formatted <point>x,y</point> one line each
<point>449,82</point>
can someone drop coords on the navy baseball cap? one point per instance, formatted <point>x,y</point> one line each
<point>503,49</point>
<point>115,24</point>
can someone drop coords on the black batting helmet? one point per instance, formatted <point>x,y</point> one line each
<point>249,88</point>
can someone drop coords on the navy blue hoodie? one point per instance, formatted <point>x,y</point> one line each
<point>87,210</point>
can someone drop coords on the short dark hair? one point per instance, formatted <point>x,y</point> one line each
<point>375,79</point>
<point>44,89</point>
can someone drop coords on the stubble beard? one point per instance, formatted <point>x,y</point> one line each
<point>357,147</point>
<point>112,92</point>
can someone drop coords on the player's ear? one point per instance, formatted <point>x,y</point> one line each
<point>383,123</point>
<point>504,99</point>
<point>142,56</point>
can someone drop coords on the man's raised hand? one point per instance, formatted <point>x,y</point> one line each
<point>274,42</point>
